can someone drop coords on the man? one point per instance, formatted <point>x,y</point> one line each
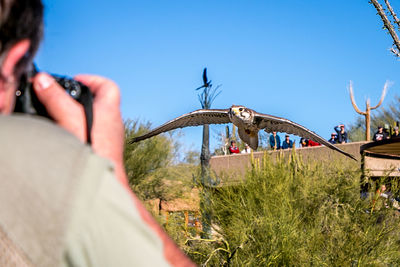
<point>341,134</point>
<point>303,142</point>
<point>396,132</point>
<point>287,143</point>
<point>312,143</point>
<point>246,149</point>
<point>63,203</point>
<point>233,149</point>
<point>274,141</point>
<point>307,143</point>
<point>333,138</point>
<point>380,134</point>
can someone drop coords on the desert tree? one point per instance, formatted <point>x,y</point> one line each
<point>391,25</point>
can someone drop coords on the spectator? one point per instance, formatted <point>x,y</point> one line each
<point>333,139</point>
<point>341,134</point>
<point>246,149</point>
<point>380,134</point>
<point>274,141</point>
<point>307,142</point>
<point>233,149</point>
<point>287,143</point>
<point>386,129</point>
<point>312,143</point>
<point>303,142</point>
<point>395,132</point>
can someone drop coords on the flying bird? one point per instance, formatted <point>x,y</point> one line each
<point>206,82</point>
<point>248,122</point>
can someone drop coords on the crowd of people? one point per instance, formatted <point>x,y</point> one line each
<point>385,133</point>
<point>339,136</point>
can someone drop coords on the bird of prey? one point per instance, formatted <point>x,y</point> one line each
<point>206,82</point>
<point>248,122</point>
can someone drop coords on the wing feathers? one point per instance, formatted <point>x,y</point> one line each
<point>276,124</point>
<point>195,118</point>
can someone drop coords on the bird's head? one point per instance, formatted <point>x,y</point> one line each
<point>243,114</point>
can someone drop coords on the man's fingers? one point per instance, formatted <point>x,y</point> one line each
<point>103,89</point>
<point>61,107</point>
<point>108,127</point>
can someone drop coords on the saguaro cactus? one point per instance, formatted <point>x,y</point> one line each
<point>367,112</point>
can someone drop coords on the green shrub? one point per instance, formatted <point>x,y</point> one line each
<point>289,213</point>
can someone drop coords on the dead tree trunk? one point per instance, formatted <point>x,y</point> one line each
<point>205,155</point>
<point>367,112</point>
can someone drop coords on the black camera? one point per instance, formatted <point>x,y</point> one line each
<point>27,101</point>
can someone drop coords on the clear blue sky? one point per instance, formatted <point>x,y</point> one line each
<point>287,58</point>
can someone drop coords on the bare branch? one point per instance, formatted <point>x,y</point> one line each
<point>383,95</point>
<point>212,253</point>
<point>387,24</point>
<point>395,52</point>
<point>392,12</point>
<point>353,102</point>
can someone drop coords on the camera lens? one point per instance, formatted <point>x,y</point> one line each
<point>75,90</point>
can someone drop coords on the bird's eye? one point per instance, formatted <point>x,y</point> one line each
<point>240,109</point>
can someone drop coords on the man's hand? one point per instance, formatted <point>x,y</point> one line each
<point>65,111</point>
<point>108,128</point>
<point>107,131</point>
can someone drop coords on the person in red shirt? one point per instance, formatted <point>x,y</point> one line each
<point>312,143</point>
<point>307,142</point>
<point>233,148</point>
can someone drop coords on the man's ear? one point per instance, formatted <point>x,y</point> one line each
<point>13,56</point>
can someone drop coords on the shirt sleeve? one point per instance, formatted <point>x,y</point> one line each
<point>107,230</point>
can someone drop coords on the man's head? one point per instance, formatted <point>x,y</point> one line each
<point>380,129</point>
<point>287,137</point>
<point>303,142</point>
<point>274,133</point>
<point>333,135</point>
<point>396,129</point>
<point>233,143</point>
<point>21,29</point>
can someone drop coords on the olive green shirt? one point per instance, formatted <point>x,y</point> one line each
<point>61,205</point>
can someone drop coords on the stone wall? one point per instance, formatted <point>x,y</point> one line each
<point>234,166</point>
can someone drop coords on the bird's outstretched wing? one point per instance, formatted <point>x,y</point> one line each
<point>276,124</point>
<point>195,118</point>
<point>205,80</point>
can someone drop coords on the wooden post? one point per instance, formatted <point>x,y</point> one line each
<point>186,219</point>
<point>367,112</point>
<point>197,223</point>
<point>166,218</point>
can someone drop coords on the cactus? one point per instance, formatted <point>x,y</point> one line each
<point>367,112</point>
